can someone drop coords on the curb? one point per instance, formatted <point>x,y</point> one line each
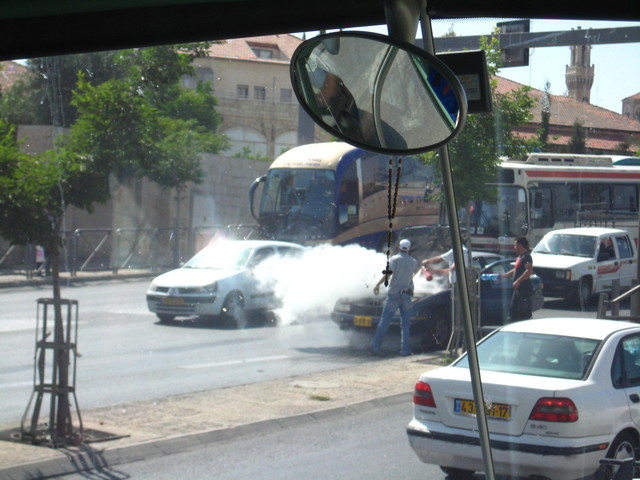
<point>17,281</point>
<point>87,458</point>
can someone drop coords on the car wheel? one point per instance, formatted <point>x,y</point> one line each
<point>437,332</point>
<point>164,318</point>
<point>623,447</point>
<point>583,295</point>
<point>457,473</point>
<point>233,310</point>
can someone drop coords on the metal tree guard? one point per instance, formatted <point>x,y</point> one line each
<point>60,352</point>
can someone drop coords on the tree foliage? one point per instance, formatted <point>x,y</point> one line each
<point>129,118</point>
<point>578,142</point>
<point>475,153</point>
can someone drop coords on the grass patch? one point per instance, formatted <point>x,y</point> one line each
<point>320,398</point>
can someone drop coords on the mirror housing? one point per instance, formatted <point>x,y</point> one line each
<point>378,93</point>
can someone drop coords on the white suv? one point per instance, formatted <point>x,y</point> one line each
<point>579,262</point>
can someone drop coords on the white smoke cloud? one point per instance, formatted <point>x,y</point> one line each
<point>311,285</point>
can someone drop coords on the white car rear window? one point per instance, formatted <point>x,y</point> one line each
<point>535,354</point>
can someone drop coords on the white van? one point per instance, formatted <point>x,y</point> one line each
<point>579,262</point>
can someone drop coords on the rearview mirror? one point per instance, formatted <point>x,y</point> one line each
<point>378,93</point>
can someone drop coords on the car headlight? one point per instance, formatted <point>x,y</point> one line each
<point>209,289</point>
<point>342,306</point>
<point>563,274</point>
<point>153,287</point>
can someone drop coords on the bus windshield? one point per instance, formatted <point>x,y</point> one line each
<point>299,203</point>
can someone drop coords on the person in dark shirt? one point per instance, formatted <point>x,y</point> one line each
<point>520,308</point>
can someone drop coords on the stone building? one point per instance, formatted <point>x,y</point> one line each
<point>607,132</point>
<point>580,73</point>
<point>631,106</point>
<point>250,79</point>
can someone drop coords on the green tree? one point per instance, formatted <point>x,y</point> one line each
<point>475,153</point>
<point>43,96</point>
<point>543,133</point>
<point>578,142</point>
<point>135,124</point>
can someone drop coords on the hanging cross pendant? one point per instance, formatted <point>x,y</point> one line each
<point>387,273</point>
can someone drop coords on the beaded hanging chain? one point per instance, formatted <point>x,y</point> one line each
<point>392,201</point>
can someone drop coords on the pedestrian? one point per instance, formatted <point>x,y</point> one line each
<point>403,267</point>
<point>42,261</point>
<point>520,308</point>
<point>447,258</point>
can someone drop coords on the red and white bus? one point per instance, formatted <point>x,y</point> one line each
<point>548,191</point>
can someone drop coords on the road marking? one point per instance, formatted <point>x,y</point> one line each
<point>236,362</point>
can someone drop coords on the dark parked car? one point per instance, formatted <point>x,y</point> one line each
<point>432,321</point>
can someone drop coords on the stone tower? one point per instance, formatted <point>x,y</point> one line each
<point>579,75</point>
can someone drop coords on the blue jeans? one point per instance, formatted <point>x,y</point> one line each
<point>394,302</point>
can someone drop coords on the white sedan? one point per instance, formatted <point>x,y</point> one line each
<point>560,394</point>
<point>219,281</point>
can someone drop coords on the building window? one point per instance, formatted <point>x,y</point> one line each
<point>263,52</point>
<point>266,51</point>
<point>242,91</point>
<point>260,93</point>
<point>246,139</point>
<point>285,95</point>
<point>202,74</point>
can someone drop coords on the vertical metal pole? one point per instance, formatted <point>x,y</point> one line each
<point>461,276</point>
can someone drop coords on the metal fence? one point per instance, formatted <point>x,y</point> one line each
<point>104,249</point>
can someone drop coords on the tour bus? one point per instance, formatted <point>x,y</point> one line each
<point>336,193</point>
<point>548,191</point>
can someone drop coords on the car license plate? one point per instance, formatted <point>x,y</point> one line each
<point>362,321</point>
<point>173,301</point>
<point>495,410</point>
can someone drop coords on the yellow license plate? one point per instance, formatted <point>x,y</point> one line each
<point>362,321</point>
<point>173,301</point>
<point>495,410</point>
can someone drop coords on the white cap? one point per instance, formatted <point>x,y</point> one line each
<point>404,245</point>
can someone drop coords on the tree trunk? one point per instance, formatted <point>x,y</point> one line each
<point>63,428</point>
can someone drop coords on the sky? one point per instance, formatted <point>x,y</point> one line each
<point>617,66</point>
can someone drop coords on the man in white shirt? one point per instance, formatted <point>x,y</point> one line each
<point>403,267</point>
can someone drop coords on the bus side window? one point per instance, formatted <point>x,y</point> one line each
<point>624,198</point>
<point>541,214</point>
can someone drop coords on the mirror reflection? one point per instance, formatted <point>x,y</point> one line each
<point>376,94</point>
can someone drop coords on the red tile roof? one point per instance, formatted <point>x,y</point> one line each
<point>240,48</point>
<point>565,111</point>
<point>10,72</point>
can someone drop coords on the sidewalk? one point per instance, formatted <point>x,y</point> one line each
<point>142,430</point>
<point>12,279</point>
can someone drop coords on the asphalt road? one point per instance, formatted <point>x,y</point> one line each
<point>125,355</point>
<point>368,446</point>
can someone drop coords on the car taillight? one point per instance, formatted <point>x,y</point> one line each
<point>554,410</point>
<point>422,395</point>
